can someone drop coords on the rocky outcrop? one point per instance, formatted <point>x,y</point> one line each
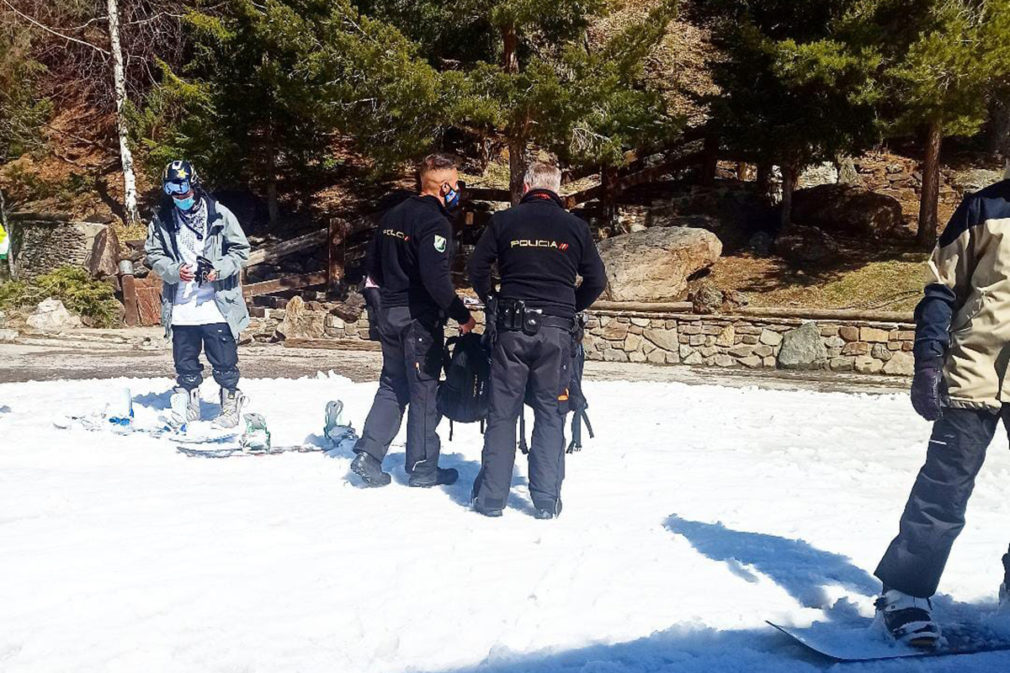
<point>654,265</point>
<point>52,316</point>
<point>301,322</point>
<point>847,210</point>
<point>103,261</point>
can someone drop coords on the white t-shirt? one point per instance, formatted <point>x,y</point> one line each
<point>194,304</point>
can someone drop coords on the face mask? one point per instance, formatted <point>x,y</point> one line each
<point>451,198</point>
<point>184,204</point>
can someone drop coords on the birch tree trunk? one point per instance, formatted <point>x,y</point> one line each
<point>119,78</point>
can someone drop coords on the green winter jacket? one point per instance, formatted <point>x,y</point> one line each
<point>227,249</point>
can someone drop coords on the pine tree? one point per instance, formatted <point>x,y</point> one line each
<point>792,93</point>
<point>940,63</point>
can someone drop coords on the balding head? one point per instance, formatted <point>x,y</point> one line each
<point>435,171</point>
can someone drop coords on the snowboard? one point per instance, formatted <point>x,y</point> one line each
<point>238,451</point>
<point>187,434</point>
<point>858,641</point>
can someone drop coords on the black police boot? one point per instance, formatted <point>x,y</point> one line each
<point>548,510</point>
<point>370,470</point>
<point>442,477</point>
<point>486,511</point>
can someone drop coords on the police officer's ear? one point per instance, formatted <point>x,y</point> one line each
<point>526,188</point>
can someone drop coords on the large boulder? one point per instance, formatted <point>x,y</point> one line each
<point>52,316</point>
<point>974,179</point>
<point>654,265</point>
<point>847,210</point>
<point>803,348</point>
<point>103,261</point>
<point>301,322</point>
<point>802,246</point>
<point>824,173</point>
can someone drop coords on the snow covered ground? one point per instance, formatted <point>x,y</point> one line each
<point>697,513</point>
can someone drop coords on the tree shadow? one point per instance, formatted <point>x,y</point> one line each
<point>795,565</point>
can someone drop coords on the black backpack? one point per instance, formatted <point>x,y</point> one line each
<point>462,396</point>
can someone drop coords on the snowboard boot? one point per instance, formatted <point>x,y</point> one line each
<point>185,406</point>
<point>907,619</point>
<point>441,477</point>
<point>370,470</point>
<point>548,512</point>
<point>232,402</point>
<point>1004,589</point>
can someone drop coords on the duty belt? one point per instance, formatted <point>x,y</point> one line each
<point>513,315</point>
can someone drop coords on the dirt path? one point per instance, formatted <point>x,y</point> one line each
<point>55,359</point>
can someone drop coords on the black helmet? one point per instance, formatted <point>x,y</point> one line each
<point>178,177</point>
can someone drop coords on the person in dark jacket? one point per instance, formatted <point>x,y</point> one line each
<point>962,331</point>
<point>540,249</point>
<point>408,266</point>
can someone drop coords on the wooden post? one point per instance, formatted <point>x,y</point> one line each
<point>129,285</point>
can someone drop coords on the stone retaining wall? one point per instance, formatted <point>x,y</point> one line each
<point>865,347</point>
<point>41,246</point>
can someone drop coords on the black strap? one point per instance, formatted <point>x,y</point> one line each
<point>523,446</point>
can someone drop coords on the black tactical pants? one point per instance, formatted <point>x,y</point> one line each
<point>543,361</point>
<point>934,515</point>
<point>411,364</point>
<point>221,349</point>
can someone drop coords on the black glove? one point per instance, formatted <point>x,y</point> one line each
<point>203,267</point>
<point>373,302</point>
<point>929,390</point>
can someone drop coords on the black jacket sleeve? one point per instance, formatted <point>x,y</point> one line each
<point>434,248</point>
<point>373,265</point>
<point>951,267</point>
<point>479,268</point>
<point>594,275</point>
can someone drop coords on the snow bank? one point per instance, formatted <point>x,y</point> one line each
<point>697,513</point>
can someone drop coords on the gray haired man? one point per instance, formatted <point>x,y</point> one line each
<point>540,248</point>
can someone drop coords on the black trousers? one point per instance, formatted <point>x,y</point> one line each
<point>222,353</point>
<point>543,361</point>
<point>934,515</point>
<point>411,365</point>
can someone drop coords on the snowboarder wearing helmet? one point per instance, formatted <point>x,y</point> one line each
<point>198,249</point>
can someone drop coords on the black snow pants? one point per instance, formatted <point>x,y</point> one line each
<point>542,360</point>
<point>934,515</point>
<point>411,364</point>
<point>221,349</point>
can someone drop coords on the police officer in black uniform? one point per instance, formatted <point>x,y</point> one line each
<point>409,261</point>
<point>540,248</point>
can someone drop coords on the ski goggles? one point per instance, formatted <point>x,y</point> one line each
<point>172,188</point>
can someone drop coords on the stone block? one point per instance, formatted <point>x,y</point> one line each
<point>665,339</point>
<point>691,329</point>
<point>741,351</point>
<point>726,337</point>
<point>865,364</point>
<point>842,364</point>
<point>685,351</point>
<point>640,322</point>
<point>856,348</point>
<point>829,330</point>
<point>900,364</point>
<point>749,339</point>
<point>694,358</point>
<point>751,361</point>
<point>770,338</point>
<point>764,351</point>
<point>902,335</point>
<point>614,331</point>
<point>723,360</point>
<point>873,335</point>
<point>708,351</point>
<point>632,343</point>
<point>615,355</point>
<point>849,333</point>
<point>656,357</point>
<point>881,352</point>
<point>697,340</point>
<point>834,342</point>
<point>636,356</point>
<point>672,359</point>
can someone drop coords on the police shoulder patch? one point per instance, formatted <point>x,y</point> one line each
<point>440,243</point>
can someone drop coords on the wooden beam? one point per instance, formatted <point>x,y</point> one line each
<point>286,283</point>
<point>275,251</point>
<point>487,194</point>
<point>334,344</point>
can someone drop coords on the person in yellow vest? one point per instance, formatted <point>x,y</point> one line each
<point>5,242</point>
